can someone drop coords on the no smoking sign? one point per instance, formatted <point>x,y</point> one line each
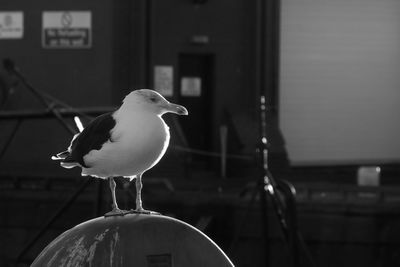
<point>67,29</point>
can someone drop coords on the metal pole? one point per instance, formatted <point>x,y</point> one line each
<point>53,219</point>
<point>10,139</point>
<point>42,99</point>
<point>260,84</point>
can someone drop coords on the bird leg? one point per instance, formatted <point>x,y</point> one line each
<point>139,206</point>
<point>114,198</point>
<point>115,210</point>
<point>139,185</point>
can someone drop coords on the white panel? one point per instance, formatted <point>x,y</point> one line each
<point>191,86</point>
<point>340,81</point>
<point>11,24</point>
<point>164,80</point>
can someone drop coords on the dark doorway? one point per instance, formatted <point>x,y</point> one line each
<point>196,86</point>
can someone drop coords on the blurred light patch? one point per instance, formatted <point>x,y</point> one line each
<point>78,123</point>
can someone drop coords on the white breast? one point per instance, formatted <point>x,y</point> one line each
<point>137,143</point>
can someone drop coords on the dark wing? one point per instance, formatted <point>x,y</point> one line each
<point>92,137</point>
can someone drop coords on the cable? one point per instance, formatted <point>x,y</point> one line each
<point>211,153</point>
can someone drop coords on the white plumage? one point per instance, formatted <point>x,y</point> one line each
<point>124,143</point>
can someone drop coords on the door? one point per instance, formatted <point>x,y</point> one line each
<point>196,82</point>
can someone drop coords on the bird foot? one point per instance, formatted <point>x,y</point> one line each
<point>116,212</point>
<point>143,211</point>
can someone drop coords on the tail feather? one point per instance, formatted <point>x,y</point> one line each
<point>61,156</point>
<point>69,165</point>
<point>66,162</point>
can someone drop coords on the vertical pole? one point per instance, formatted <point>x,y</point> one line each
<point>264,180</point>
<point>267,57</point>
<point>260,86</point>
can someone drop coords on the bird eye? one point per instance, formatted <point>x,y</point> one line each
<point>153,99</point>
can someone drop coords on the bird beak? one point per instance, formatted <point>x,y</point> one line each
<point>177,109</point>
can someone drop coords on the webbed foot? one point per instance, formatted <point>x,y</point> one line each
<point>116,212</point>
<point>143,211</point>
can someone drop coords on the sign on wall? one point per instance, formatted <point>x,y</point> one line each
<point>191,86</point>
<point>11,24</point>
<point>67,29</point>
<point>164,80</point>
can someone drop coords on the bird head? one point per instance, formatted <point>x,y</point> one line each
<point>152,101</point>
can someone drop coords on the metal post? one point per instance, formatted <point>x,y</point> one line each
<point>53,219</point>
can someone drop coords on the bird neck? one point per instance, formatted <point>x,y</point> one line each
<point>132,111</point>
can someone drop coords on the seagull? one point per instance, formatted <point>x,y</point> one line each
<point>124,143</point>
